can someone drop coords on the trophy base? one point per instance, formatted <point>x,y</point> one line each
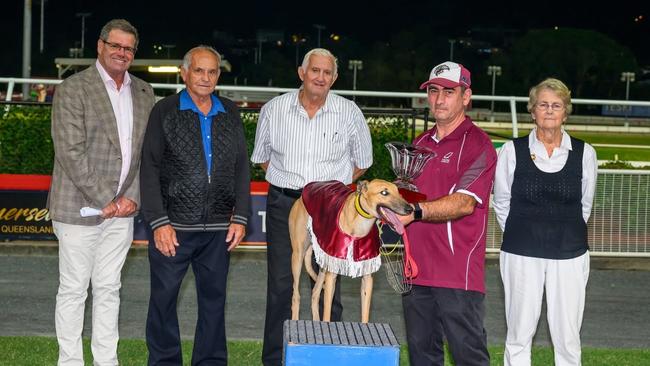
<point>405,184</point>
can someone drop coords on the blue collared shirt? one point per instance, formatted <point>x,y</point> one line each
<point>206,122</point>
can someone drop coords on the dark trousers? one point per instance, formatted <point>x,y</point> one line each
<point>280,281</point>
<point>433,313</point>
<point>207,253</point>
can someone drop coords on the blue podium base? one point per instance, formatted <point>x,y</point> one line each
<point>313,343</point>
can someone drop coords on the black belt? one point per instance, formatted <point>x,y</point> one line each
<point>293,193</point>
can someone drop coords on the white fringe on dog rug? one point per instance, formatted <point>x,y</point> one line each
<point>346,267</point>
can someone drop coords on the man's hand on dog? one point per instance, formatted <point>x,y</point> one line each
<point>166,242</point>
<point>236,233</point>
<point>407,219</point>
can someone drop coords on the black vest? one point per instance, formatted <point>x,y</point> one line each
<point>545,218</point>
<point>188,196</point>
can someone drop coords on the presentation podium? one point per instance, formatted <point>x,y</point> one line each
<point>314,343</point>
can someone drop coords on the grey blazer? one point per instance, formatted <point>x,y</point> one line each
<point>87,155</point>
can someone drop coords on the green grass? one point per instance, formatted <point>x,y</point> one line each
<point>625,154</point>
<point>603,152</point>
<point>591,137</point>
<point>24,351</point>
<point>19,351</point>
<point>613,138</point>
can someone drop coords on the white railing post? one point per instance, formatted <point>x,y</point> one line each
<point>10,90</point>
<point>513,116</point>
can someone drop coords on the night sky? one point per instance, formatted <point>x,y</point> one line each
<point>189,23</point>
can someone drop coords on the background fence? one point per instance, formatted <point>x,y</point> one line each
<point>618,225</point>
<point>415,98</point>
<point>620,218</point>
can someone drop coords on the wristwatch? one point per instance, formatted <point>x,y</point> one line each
<point>417,212</point>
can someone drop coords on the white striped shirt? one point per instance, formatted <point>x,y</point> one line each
<point>301,150</point>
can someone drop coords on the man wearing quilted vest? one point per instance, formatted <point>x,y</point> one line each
<point>195,184</point>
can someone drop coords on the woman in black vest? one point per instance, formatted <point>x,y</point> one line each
<point>543,193</point>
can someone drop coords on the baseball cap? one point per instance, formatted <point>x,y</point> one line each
<point>449,75</point>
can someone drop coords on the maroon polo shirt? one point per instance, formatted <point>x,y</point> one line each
<point>452,254</point>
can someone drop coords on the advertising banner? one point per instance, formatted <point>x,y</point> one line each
<point>23,215</point>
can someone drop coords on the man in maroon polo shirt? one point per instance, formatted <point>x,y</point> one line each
<point>447,232</point>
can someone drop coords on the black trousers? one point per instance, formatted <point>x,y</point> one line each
<point>280,281</point>
<point>207,252</point>
<point>433,313</point>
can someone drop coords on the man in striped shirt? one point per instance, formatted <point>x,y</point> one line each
<point>308,135</point>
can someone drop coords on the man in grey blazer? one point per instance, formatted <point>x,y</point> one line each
<point>98,121</point>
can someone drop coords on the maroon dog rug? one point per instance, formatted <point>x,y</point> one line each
<point>336,251</point>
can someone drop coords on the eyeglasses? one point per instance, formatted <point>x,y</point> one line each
<point>117,47</point>
<point>545,107</point>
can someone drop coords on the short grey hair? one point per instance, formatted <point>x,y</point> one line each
<point>556,86</point>
<point>320,52</point>
<point>187,59</point>
<point>119,24</point>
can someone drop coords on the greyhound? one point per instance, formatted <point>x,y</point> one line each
<point>355,215</point>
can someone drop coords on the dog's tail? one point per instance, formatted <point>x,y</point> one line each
<point>308,253</point>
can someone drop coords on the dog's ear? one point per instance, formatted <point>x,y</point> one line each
<point>362,186</point>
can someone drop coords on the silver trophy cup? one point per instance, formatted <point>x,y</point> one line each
<point>408,161</point>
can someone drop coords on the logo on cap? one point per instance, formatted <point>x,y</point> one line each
<point>449,75</point>
<point>440,69</point>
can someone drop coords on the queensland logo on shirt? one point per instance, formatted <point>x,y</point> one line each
<point>447,157</point>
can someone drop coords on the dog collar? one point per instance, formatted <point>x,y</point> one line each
<point>360,210</point>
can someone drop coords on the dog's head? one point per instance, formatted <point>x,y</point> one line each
<point>382,200</point>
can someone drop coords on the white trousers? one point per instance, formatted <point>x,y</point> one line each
<point>524,281</point>
<point>90,254</point>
